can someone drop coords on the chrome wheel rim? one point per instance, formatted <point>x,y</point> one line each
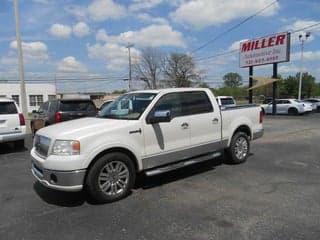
<point>113,178</point>
<point>241,148</point>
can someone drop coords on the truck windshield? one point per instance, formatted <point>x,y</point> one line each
<point>129,106</point>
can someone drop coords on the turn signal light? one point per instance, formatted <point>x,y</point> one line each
<point>21,119</point>
<point>261,117</point>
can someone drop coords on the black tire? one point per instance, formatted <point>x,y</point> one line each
<point>234,156</point>
<point>100,177</point>
<point>19,144</point>
<point>292,111</point>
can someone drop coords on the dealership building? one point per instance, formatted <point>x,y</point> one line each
<point>37,93</point>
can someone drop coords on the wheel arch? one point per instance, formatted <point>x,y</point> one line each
<point>123,150</point>
<point>243,128</point>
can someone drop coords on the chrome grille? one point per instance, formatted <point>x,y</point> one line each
<point>42,144</point>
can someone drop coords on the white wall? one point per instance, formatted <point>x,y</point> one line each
<point>45,89</point>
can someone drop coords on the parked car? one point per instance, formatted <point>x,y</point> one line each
<point>12,123</point>
<point>308,107</point>
<point>60,110</point>
<point>226,101</point>
<point>151,131</point>
<point>315,101</point>
<point>285,106</point>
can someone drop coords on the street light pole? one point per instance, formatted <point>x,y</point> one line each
<point>129,46</point>
<point>20,58</point>
<point>302,40</point>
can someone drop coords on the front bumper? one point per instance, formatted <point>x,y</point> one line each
<point>60,180</point>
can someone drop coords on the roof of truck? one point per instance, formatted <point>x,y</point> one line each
<point>169,90</point>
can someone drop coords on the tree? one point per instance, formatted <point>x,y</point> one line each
<point>149,67</point>
<point>232,80</point>
<point>180,71</point>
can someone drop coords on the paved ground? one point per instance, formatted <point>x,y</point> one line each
<point>274,195</point>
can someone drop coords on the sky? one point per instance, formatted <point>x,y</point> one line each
<point>86,40</point>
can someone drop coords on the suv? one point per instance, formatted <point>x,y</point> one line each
<point>12,123</point>
<point>59,110</point>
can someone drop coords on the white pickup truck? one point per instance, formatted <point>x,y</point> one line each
<point>151,131</point>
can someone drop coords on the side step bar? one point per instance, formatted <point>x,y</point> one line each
<point>182,164</point>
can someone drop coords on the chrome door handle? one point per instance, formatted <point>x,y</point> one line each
<point>215,120</point>
<point>184,125</point>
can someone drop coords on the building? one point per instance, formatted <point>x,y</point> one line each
<point>37,93</point>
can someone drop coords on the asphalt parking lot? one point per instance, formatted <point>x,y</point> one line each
<point>274,195</point>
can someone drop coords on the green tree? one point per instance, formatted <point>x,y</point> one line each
<point>232,80</point>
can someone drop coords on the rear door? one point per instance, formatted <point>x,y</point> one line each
<point>9,118</point>
<point>74,109</point>
<point>205,122</point>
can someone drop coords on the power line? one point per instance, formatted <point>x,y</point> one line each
<point>233,27</point>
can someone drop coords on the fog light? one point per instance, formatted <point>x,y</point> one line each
<point>53,178</point>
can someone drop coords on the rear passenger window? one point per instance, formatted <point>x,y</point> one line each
<point>8,108</point>
<point>75,106</point>
<point>196,103</point>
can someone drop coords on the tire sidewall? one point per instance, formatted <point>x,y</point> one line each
<point>234,159</point>
<point>92,184</point>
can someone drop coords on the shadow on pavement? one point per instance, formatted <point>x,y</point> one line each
<point>6,148</point>
<point>146,182</point>
<point>60,198</point>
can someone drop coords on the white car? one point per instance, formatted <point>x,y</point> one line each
<point>285,106</point>
<point>151,131</point>
<point>315,101</point>
<point>12,123</point>
<point>226,101</point>
<point>308,107</point>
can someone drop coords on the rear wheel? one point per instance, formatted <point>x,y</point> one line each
<point>239,148</point>
<point>292,111</point>
<point>110,178</point>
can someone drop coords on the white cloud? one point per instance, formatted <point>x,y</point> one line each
<point>78,11</point>
<point>101,10</point>
<point>115,56</point>
<point>32,51</point>
<point>81,29</point>
<point>60,31</point>
<point>236,45</point>
<point>71,65</point>
<point>153,35</point>
<point>307,56</point>
<point>145,17</point>
<point>144,4</point>
<point>300,24</point>
<point>289,69</point>
<point>204,13</point>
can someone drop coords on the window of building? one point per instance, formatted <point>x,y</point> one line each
<point>51,97</point>
<point>16,99</point>
<point>35,100</point>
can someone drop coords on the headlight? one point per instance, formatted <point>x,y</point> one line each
<point>66,147</point>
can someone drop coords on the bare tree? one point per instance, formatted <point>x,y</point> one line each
<point>148,69</point>
<point>180,71</point>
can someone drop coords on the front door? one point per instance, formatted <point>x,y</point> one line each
<point>167,142</point>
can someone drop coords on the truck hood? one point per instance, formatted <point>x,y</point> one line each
<point>84,127</point>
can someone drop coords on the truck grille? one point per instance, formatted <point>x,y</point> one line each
<point>42,144</point>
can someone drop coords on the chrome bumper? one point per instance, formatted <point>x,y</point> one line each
<point>59,180</point>
<point>257,134</point>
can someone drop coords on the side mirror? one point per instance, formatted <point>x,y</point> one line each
<point>160,116</point>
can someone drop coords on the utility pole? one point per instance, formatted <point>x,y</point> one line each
<point>129,46</point>
<point>23,94</point>
<point>302,39</point>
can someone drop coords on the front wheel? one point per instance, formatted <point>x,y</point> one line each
<point>239,148</point>
<point>110,178</point>
<point>292,111</point>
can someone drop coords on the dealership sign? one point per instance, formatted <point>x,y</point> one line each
<point>265,50</point>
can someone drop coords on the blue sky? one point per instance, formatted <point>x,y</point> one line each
<point>81,39</point>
